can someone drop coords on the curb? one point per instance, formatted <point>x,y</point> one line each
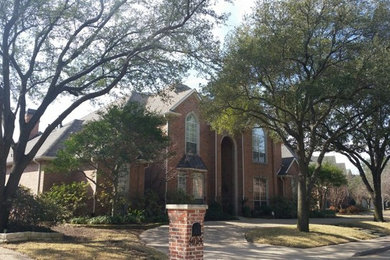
<point>26,236</point>
<point>372,251</point>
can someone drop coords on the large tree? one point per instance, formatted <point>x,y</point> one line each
<point>84,48</point>
<point>289,69</point>
<point>368,145</point>
<point>121,137</point>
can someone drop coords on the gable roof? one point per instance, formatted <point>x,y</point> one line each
<point>164,103</point>
<point>191,162</point>
<point>286,164</point>
<point>54,142</point>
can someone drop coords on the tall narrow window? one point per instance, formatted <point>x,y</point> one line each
<point>258,145</point>
<point>192,137</point>
<point>124,179</point>
<point>259,192</point>
<point>197,185</point>
<point>182,181</point>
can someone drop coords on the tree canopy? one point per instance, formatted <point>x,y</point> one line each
<point>84,49</point>
<point>368,145</point>
<point>291,68</point>
<point>122,136</point>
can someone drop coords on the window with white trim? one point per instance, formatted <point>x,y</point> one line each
<point>123,179</point>
<point>197,185</point>
<point>258,145</point>
<point>191,135</point>
<point>259,192</point>
<point>182,181</point>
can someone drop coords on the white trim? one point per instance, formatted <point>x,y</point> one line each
<point>39,174</point>
<point>197,133</point>
<point>291,164</point>
<point>182,100</point>
<point>171,113</point>
<point>192,169</point>
<point>40,158</point>
<point>265,135</point>
<point>186,206</point>
<point>235,173</point>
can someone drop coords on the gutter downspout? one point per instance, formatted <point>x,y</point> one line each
<point>166,168</point>
<point>216,167</point>
<point>39,175</point>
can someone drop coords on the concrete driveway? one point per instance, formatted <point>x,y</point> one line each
<point>225,240</point>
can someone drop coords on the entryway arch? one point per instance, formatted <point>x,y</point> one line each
<point>229,187</point>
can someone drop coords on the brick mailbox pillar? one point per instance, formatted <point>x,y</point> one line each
<point>186,223</point>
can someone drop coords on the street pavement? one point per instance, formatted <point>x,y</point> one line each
<point>226,240</point>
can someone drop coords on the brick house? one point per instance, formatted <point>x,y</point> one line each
<point>246,168</point>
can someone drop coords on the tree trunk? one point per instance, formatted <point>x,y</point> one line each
<point>4,213</point>
<point>303,205</point>
<point>377,199</point>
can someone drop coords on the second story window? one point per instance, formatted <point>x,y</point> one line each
<point>191,135</point>
<point>258,145</point>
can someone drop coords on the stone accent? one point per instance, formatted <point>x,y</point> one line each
<point>28,236</point>
<point>182,245</point>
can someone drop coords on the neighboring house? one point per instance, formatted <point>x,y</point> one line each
<point>211,167</point>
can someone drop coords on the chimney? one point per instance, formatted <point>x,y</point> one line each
<point>34,132</point>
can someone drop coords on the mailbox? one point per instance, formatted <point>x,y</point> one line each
<point>196,229</point>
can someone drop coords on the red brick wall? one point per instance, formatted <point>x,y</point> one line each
<point>207,140</point>
<point>176,133</point>
<point>181,243</point>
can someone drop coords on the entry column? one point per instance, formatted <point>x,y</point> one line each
<point>186,225</point>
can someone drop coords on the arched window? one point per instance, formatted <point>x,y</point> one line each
<point>192,134</point>
<point>259,142</point>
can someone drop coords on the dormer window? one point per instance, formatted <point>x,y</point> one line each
<point>258,145</point>
<point>192,134</point>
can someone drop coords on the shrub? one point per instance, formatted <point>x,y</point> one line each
<point>215,212</point>
<point>132,217</point>
<point>79,220</point>
<point>179,197</point>
<point>283,207</point>
<point>246,211</point>
<point>28,209</point>
<point>100,220</point>
<point>342,211</point>
<point>353,210</point>
<point>333,208</point>
<point>71,198</point>
<point>153,207</point>
<point>322,214</point>
<point>262,211</point>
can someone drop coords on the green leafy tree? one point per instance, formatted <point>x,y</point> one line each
<point>329,176</point>
<point>124,135</point>
<point>368,145</point>
<point>358,191</point>
<point>290,69</point>
<point>84,48</point>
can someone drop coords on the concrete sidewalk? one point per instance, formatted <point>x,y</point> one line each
<point>225,240</point>
<point>7,254</point>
